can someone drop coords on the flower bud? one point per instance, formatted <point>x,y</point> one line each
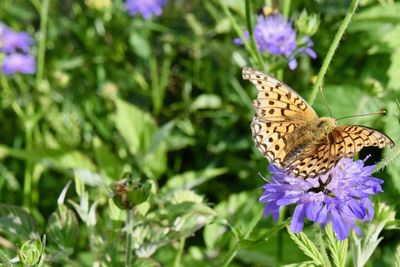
<point>129,192</point>
<point>30,252</point>
<point>307,24</point>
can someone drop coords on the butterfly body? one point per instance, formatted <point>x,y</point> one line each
<point>288,132</point>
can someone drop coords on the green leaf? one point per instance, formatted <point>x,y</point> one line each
<point>397,257</point>
<point>191,179</point>
<point>134,125</point>
<point>337,248</point>
<point>17,222</point>
<point>63,228</point>
<point>307,246</point>
<point>4,260</point>
<point>139,131</point>
<point>107,161</point>
<point>302,264</point>
<point>53,158</point>
<point>139,44</point>
<point>206,101</point>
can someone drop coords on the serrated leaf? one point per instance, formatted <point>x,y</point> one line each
<point>4,260</point>
<point>302,264</point>
<point>307,246</point>
<point>338,248</point>
<point>17,222</point>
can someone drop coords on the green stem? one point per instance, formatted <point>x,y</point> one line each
<point>253,52</point>
<point>332,49</point>
<point>44,15</point>
<point>235,249</point>
<point>286,8</point>
<point>128,248</point>
<point>321,243</point>
<point>179,253</point>
<point>253,45</point>
<point>248,17</point>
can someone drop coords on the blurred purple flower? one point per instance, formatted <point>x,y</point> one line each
<point>304,49</point>
<point>238,41</point>
<point>341,196</point>
<point>15,47</point>
<point>11,41</point>
<point>147,8</point>
<point>17,62</point>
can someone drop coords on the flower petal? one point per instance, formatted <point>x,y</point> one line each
<point>297,223</point>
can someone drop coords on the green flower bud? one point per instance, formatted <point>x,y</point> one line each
<point>30,252</point>
<point>129,192</point>
<point>307,24</point>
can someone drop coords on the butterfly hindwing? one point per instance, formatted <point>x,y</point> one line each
<point>350,139</point>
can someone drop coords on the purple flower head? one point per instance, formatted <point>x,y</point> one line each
<point>275,34</point>
<point>15,47</point>
<point>147,8</point>
<point>341,196</point>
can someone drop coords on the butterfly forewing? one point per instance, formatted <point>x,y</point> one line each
<point>276,101</point>
<point>287,131</point>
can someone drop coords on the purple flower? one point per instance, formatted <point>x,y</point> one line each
<point>305,48</point>
<point>17,62</point>
<point>238,41</point>
<point>341,196</point>
<point>15,47</point>
<point>276,35</point>
<point>11,41</point>
<point>147,8</point>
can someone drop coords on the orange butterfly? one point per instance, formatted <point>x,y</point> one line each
<point>288,132</point>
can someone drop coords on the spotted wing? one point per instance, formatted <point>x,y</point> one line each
<point>349,140</point>
<point>271,139</point>
<point>342,142</point>
<point>276,101</point>
<point>279,111</point>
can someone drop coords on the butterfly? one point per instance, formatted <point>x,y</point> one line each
<point>289,133</point>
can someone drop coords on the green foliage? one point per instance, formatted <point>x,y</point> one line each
<point>164,100</point>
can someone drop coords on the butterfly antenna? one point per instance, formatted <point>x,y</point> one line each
<point>326,102</point>
<point>382,112</point>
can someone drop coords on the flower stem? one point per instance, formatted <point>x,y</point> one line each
<point>332,49</point>
<point>321,244</point>
<point>235,249</point>
<point>178,257</point>
<point>128,248</point>
<point>286,8</point>
<point>44,15</point>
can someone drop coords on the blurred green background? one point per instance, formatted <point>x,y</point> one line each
<point>164,99</point>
